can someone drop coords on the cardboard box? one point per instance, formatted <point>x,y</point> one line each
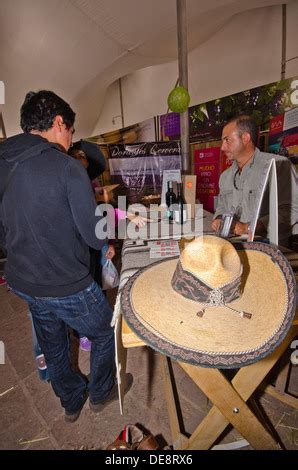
<point>189,191</point>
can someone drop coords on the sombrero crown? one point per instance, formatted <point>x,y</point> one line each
<point>221,305</point>
<point>209,271</point>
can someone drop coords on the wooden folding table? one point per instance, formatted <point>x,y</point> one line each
<point>229,398</point>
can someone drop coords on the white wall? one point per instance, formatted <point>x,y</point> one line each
<point>251,56</point>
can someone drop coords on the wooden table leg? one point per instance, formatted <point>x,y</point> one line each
<point>226,398</point>
<point>178,439</point>
<point>279,390</point>
<point>222,394</point>
<point>121,360</point>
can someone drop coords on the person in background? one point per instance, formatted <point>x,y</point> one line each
<point>93,161</point>
<point>96,161</point>
<point>238,185</point>
<point>89,154</point>
<point>97,166</point>
<point>94,164</point>
<point>48,219</point>
<point>108,250</point>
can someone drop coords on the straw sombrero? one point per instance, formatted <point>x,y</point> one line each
<point>219,305</point>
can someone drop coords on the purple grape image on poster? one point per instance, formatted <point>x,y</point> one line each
<point>170,126</point>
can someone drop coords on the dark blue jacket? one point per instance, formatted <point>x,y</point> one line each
<point>48,218</point>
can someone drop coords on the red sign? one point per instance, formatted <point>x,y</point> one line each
<point>207,163</point>
<point>290,139</point>
<point>276,124</point>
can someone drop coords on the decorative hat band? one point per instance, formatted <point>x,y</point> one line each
<point>191,287</point>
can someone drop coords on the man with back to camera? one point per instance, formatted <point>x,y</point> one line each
<point>239,183</point>
<point>48,221</point>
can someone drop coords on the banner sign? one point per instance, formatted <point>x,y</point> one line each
<point>206,120</point>
<point>139,168</point>
<point>283,135</point>
<point>276,124</point>
<point>207,168</point>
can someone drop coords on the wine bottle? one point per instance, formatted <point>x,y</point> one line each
<point>180,210</point>
<point>170,200</point>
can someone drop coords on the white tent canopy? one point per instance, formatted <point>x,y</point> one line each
<point>77,48</point>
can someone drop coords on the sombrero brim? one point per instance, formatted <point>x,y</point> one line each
<point>168,322</point>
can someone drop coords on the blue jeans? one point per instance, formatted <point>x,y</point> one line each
<point>43,373</point>
<point>89,313</point>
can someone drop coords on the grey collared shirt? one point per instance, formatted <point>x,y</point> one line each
<point>237,192</point>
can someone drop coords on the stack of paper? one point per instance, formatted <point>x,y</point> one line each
<point>164,249</point>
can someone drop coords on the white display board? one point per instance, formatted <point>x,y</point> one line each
<point>268,178</point>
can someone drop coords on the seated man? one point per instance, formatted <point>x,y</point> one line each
<point>239,184</point>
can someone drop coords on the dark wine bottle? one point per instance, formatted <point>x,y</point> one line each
<point>180,210</point>
<point>170,200</point>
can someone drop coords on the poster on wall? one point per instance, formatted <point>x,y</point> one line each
<point>206,120</point>
<point>207,170</point>
<point>283,135</point>
<point>138,168</point>
<point>169,126</point>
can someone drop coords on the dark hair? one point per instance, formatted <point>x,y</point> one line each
<point>77,153</point>
<point>95,157</point>
<point>40,109</point>
<point>246,123</point>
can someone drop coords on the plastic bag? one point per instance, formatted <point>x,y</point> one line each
<point>109,275</point>
<point>103,253</point>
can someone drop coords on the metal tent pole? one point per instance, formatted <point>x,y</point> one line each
<point>284,42</point>
<point>183,79</point>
